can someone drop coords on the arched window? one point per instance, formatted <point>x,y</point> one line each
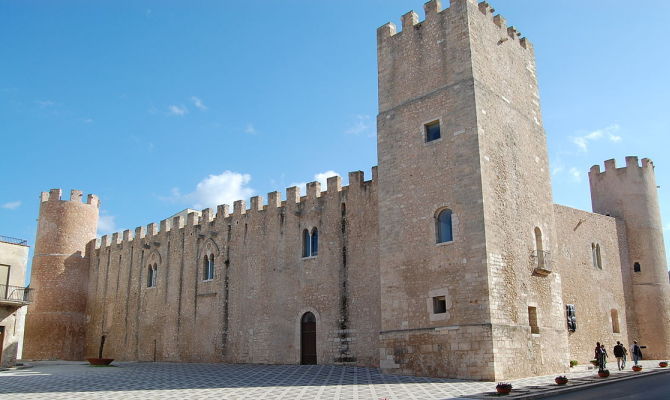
<point>205,268</point>
<point>152,271</point>
<point>539,247</point>
<point>211,267</point>
<point>636,267</point>
<point>306,243</point>
<point>315,242</point>
<point>443,226</point>
<point>150,274</point>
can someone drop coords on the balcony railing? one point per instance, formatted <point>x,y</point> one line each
<point>15,295</point>
<point>7,239</point>
<point>541,261</point>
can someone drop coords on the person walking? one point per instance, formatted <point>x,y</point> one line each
<point>619,352</point>
<point>604,355</point>
<point>636,351</point>
<point>625,356</point>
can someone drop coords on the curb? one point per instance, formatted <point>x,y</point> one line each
<point>556,392</point>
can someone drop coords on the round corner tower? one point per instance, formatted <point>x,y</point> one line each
<point>59,276</point>
<point>630,194</point>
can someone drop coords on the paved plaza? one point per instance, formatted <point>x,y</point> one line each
<point>134,380</point>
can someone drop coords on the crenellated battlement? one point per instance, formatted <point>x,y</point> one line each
<point>195,220</point>
<point>632,163</point>
<point>76,196</point>
<point>433,11</point>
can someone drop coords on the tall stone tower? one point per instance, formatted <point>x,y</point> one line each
<point>629,193</point>
<point>465,205</point>
<point>59,277</point>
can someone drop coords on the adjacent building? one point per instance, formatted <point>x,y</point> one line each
<point>14,297</point>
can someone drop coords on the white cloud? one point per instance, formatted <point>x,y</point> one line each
<point>12,205</point>
<point>575,174</point>
<point>360,125</point>
<point>583,141</point>
<point>197,102</point>
<point>214,190</point>
<point>45,103</point>
<point>106,224</point>
<point>321,177</point>
<point>250,130</point>
<point>177,110</point>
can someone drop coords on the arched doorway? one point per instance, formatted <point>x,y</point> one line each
<point>308,339</point>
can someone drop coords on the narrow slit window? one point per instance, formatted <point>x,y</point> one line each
<point>636,267</point>
<point>572,319</point>
<point>532,320</point>
<point>615,321</point>
<point>432,131</point>
<point>539,247</point>
<point>439,305</point>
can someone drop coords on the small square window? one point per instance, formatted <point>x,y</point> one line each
<point>432,131</point>
<point>439,305</point>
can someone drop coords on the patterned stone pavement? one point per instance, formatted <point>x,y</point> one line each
<point>73,380</point>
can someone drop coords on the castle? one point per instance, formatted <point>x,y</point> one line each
<point>451,261</point>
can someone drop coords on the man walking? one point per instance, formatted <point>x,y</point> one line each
<point>619,353</point>
<point>636,351</point>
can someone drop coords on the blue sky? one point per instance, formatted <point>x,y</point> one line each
<point>161,105</point>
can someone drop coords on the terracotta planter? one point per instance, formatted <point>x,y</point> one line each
<point>603,374</point>
<point>560,381</point>
<point>503,390</point>
<point>637,368</point>
<point>100,361</point>
<point>663,364</point>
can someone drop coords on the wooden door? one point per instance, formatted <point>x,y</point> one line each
<point>308,339</point>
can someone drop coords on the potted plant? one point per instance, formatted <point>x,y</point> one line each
<point>604,373</point>
<point>100,360</point>
<point>503,388</point>
<point>561,380</point>
<point>573,363</point>
<point>663,364</point>
<point>637,368</point>
<point>594,362</point>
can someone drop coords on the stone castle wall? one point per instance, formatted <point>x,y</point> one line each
<point>250,312</point>
<point>593,291</point>
<point>515,259</point>
<point>630,194</point>
<point>517,199</point>
<point>55,319</point>
<point>424,75</point>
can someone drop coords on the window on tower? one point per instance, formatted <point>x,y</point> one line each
<point>432,130</point>
<point>443,226</point>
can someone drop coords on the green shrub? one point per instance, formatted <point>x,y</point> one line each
<point>573,363</point>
